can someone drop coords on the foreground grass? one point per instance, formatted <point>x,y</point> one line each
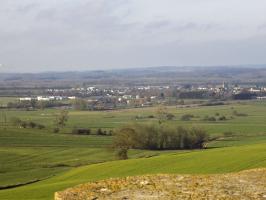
<point>219,160</point>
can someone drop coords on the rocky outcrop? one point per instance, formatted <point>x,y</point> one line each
<point>245,185</point>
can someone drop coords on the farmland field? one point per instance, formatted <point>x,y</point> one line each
<point>5,100</point>
<point>254,122</point>
<point>60,160</point>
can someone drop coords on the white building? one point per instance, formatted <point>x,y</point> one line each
<point>127,96</point>
<point>261,98</point>
<point>41,98</point>
<point>254,90</point>
<point>25,99</point>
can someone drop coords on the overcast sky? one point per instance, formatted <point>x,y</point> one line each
<point>46,35</point>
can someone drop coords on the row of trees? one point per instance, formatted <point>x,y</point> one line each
<point>15,121</point>
<point>88,131</point>
<point>61,118</point>
<point>157,137</point>
<point>34,104</point>
<point>60,121</point>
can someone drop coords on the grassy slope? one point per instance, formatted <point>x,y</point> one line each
<point>26,155</point>
<point>217,160</point>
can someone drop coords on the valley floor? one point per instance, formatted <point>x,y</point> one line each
<point>64,160</point>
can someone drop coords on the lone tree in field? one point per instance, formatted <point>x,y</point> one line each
<point>161,114</point>
<point>123,141</point>
<point>61,119</point>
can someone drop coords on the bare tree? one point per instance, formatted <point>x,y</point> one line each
<point>61,119</point>
<point>161,113</point>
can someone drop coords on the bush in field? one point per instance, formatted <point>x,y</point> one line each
<point>101,132</point>
<point>222,118</point>
<point>23,124</point>
<point>110,132</point>
<point>81,131</point>
<point>209,118</point>
<point>213,104</point>
<point>186,117</point>
<point>122,153</point>
<point>40,126</point>
<point>170,116</point>
<point>56,130</point>
<point>32,124</point>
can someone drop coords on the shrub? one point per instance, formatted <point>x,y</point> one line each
<point>222,118</point>
<point>81,131</point>
<point>40,126</point>
<point>211,119</point>
<point>122,154</point>
<point>23,124</point>
<point>213,104</point>
<point>110,132</point>
<point>186,117</point>
<point>99,132</point>
<point>56,130</point>
<point>217,114</point>
<point>170,116</point>
<point>32,124</point>
<point>139,117</point>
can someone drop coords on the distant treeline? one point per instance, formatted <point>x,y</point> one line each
<point>194,95</point>
<point>244,96</point>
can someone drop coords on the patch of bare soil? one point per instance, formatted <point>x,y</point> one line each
<point>245,185</point>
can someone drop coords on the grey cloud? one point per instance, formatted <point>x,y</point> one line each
<point>24,9</point>
<point>37,34</point>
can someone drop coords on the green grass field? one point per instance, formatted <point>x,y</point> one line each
<point>35,156</point>
<point>255,122</point>
<point>218,160</point>
<point>5,100</point>
<point>62,160</point>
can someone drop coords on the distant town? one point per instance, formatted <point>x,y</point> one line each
<point>98,98</point>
